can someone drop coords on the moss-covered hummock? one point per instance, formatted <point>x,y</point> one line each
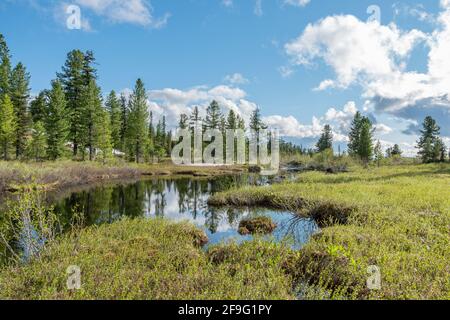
<point>256,225</point>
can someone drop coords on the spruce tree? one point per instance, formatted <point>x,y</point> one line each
<point>76,75</point>
<point>113,107</point>
<point>231,120</point>
<point>123,121</point>
<point>213,116</point>
<point>326,139</point>
<point>57,125</point>
<point>102,133</point>
<point>256,123</point>
<point>365,150</point>
<point>38,107</point>
<point>92,102</point>
<point>7,127</point>
<point>20,93</point>
<point>428,140</point>
<point>5,67</point>
<point>354,135</point>
<point>137,128</point>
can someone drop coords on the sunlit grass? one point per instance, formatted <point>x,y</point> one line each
<point>397,218</point>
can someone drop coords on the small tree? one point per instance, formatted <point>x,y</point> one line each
<point>326,139</point>
<point>378,152</point>
<point>57,122</point>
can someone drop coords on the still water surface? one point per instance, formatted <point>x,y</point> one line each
<point>183,199</point>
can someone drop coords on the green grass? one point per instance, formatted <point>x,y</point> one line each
<point>151,259</point>
<point>397,218</point>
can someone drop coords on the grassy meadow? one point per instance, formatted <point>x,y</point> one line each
<point>396,218</point>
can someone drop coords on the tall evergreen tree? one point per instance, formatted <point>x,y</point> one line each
<point>113,106</point>
<point>7,126</point>
<point>102,133</point>
<point>123,120</point>
<point>57,125</point>
<point>213,116</point>
<point>326,139</point>
<point>5,67</point>
<point>354,135</point>
<point>365,150</point>
<point>232,120</point>
<point>92,102</point>
<point>76,75</point>
<point>38,107</point>
<point>256,123</point>
<point>428,140</point>
<point>195,119</point>
<point>20,93</point>
<point>138,123</point>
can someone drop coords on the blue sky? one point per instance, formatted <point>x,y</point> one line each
<point>274,54</point>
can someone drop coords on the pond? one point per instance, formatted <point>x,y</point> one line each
<point>182,199</point>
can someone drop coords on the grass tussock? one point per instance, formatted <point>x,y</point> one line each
<point>150,259</point>
<point>257,225</point>
<point>396,218</point>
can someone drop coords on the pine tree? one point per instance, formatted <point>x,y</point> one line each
<point>38,144</point>
<point>195,119</point>
<point>232,120</point>
<point>137,131</point>
<point>113,106</point>
<point>57,125</point>
<point>20,93</point>
<point>365,150</point>
<point>92,102</point>
<point>256,123</point>
<point>213,116</point>
<point>7,126</point>
<point>38,107</point>
<point>123,121</point>
<point>5,68</point>
<point>326,139</point>
<point>354,135</point>
<point>76,75</point>
<point>102,133</point>
<point>428,140</point>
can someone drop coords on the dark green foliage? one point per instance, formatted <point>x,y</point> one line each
<point>113,106</point>
<point>38,107</point>
<point>137,127</point>
<point>430,145</point>
<point>213,116</point>
<point>57,124</point>
<point>20,93</point>
<point>326,139</point>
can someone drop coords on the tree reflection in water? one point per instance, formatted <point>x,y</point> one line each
<point>180,200</point>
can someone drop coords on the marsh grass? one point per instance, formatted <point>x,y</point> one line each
<point>150,259</point>
<point>396,217</point>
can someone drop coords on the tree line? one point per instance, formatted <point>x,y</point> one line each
<point>362,145</point>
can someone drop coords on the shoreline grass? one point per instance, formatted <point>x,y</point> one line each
<point>60,175</point>
<point>397,218</point>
